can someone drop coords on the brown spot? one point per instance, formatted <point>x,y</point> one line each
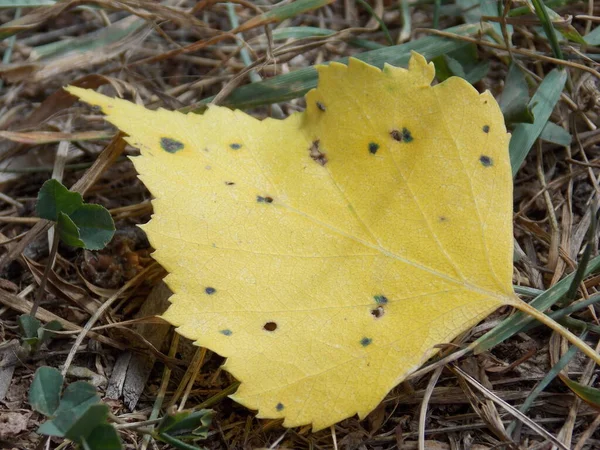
<point>270,326</point>
<point>316,154</point>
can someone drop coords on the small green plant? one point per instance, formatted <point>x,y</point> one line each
<point>78,224</point>
<point>77,415</point>
<point>34,334</point>
<point>179,428</point>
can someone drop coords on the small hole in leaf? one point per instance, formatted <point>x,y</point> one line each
<point>366,341</point>
<point>486,161</point>
<point>235,146</point>
<point>373,147</point>
<point>210,290</point>
<point>226,332</point>
<point>321,106</point>
<point>270,326</point>
<point>170,145</point>
<point>378,312</point>
<point>279,406</point>
<point>486,128</point>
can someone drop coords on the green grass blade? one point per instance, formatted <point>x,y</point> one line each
<point>542,13</point>
<point>542,104</point>
<point>518,321</point>
<point>25,3</point>
<point>295,84</point>
<point>381,23</point>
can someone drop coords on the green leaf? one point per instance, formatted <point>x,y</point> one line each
<point>81,427</point>
<point>95,224</point>
<point>78,413</point>
<point>54,198</point>
<point>588,394</point>
<point>77,397</point>
<point>556,134</point>
<point>186,424</point>
<point>46,332</point>
<point>68,231</point>
<point>515,97</point>
<point>542,105</point>
<point>44,392</point>
<point>103,437</point>
<point>29,326</point>
<point>593,37</point>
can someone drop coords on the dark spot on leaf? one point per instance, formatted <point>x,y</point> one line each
<point>443,219</point>
<point>279,406</point>
<point>226,332</point>
<point>210,290</point>
<point>270,326</point>
<point>486,161</point>
<point>378,312</point>
<point>260,199</point>
<point>171,145</point>
<point>229,183</point>
<point>402,136</point>
<point>373,147</point>
<point>316,154</point>
<point>381,299</point>
<point>365,341</point>
<point>321,106</point>
<point>486,128</point>
<point>235,146</point>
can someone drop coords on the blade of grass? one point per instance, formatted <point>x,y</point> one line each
<point>515,324</point>
<point>308,32</point>
<point>542,104</point>
<point>295,84</point>
<point>381,23</point>
<point>542,13</point>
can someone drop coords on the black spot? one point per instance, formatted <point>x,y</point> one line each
<point>486,128</point>
<point>229,183</point>
<point>378,312</point>
<point>321,106</point>
<point>366,341</point>
<point>270,326</point>
<point>260,199</point>
<point>226,332</point>
<point>402,136</point>
<point>486,161</point>
<point>171,145</point>
<point>381,299</point>
<point>316,154</point>
<point>373,147</point>
<point>210,290</point>
<point>235,146</point>
<point>443,219</point>
<point>279,406</point>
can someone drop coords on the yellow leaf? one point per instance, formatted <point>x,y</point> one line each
<point>326,255</point>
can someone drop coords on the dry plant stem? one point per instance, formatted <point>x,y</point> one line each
<point>550,323</point>
<point>162,390</point>
<point>90,323</point>
<point>508,408</point>
<point>532,55</point>
<point>423,411</point>
<point>190,384</point>
<point>43,281</point>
